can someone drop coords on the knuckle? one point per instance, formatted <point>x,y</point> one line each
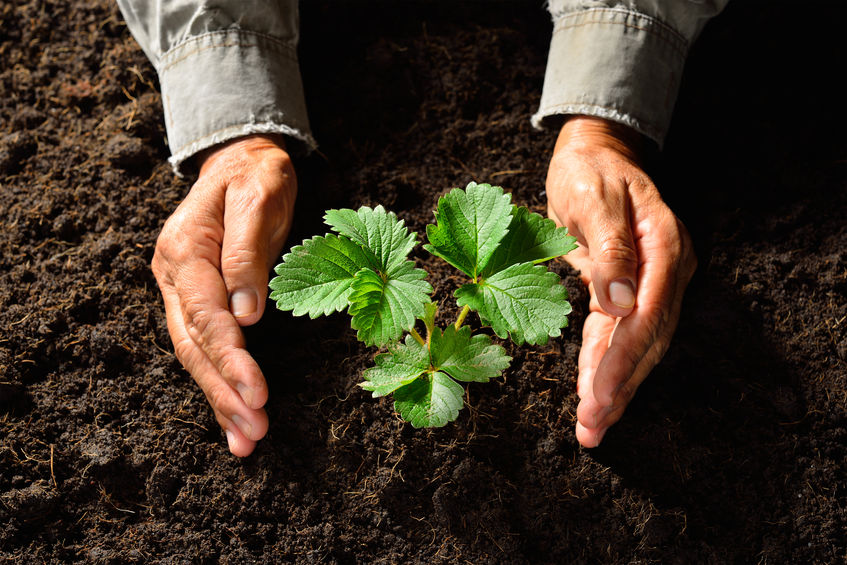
<point>266,195</point>
<point>278,162</point>
<point>617,249</point>
<point>157,267</point>
<point>271,181</point>
<point>163,246</point>
<point>183,349</point>
<point>172,245</point>
<point>275,195</point>
<point>588,188</point>
<point>228,365</point>
<point>241,256</point>
<point>641,180</point>
<point>220,396</point>
<point>199,319</point>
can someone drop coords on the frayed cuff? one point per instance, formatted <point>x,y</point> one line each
<point>615,64</point>
<point>227,84</point>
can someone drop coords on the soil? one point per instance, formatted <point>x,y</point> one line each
<point>732,452</point>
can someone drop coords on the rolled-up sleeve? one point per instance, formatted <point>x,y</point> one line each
<point>226,69</point>
<point>620,60</point>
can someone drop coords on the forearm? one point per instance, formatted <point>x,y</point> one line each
<point>224,72</point>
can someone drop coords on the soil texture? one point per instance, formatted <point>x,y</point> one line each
<point>733,451</point>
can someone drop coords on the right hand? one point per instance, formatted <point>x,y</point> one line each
<point>635,256</point>
<point>211,262</point>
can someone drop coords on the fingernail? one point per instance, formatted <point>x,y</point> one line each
<point>245,427</point>
<point>600,435</point>
<point>243,303</point>
<point>622,293</point>
<point>230,439</point>
<point>246,393</point>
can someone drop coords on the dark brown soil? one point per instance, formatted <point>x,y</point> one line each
<point>733,451</point>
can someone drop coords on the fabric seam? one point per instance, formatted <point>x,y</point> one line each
<point>286,48</point>
<point>658,29</point>
<point>557,17</point>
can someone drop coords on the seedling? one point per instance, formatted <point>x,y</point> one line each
<point>364,267</point>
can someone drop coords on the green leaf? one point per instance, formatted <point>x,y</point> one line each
<point>430,401</point>
<point>399,367</point>
<point>385,306</point>
<point>315,278</point>
<point>419,377</point>
<point>470,225</point>
<point>378,231</point>
<point>525,300</point>
<point>531,239</point>
<point>465,357</point>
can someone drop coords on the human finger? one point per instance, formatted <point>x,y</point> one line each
<point>257,219</point>
<point>597,332</point>
<point>212,327</point>
<point>626,391</point>
<point>604,222</point>
<point>645,334</point>
<point>187,259</point>
<point>243,426</point>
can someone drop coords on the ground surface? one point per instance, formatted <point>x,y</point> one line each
<point>733,451</point>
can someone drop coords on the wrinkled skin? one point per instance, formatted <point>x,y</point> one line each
<point>635,256</point>
<point>211,262</point>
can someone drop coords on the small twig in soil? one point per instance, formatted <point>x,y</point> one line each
<point>52,474</point>
<point>189,422</point>
<point>512,172</point>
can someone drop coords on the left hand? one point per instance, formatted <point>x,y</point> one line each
<point>635,256</point>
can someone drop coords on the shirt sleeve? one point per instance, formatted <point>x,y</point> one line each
<point>226,69</point>
<point>620,60</point>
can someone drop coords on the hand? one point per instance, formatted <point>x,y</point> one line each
<point>635,256</point>
<point>212,261</point>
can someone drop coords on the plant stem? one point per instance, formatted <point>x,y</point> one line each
<point>414,333</point>
<point>462,315</point>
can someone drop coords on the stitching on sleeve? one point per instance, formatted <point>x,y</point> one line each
<point>657,28</point>
<point>287,49</point>
<point>621,12</point>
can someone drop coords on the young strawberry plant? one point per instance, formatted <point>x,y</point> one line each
<point>364,267</point>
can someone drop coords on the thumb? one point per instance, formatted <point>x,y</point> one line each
<point>244,261</point>
<point>614,259</point>
<point>256,223</point>
<point>257,178</point>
